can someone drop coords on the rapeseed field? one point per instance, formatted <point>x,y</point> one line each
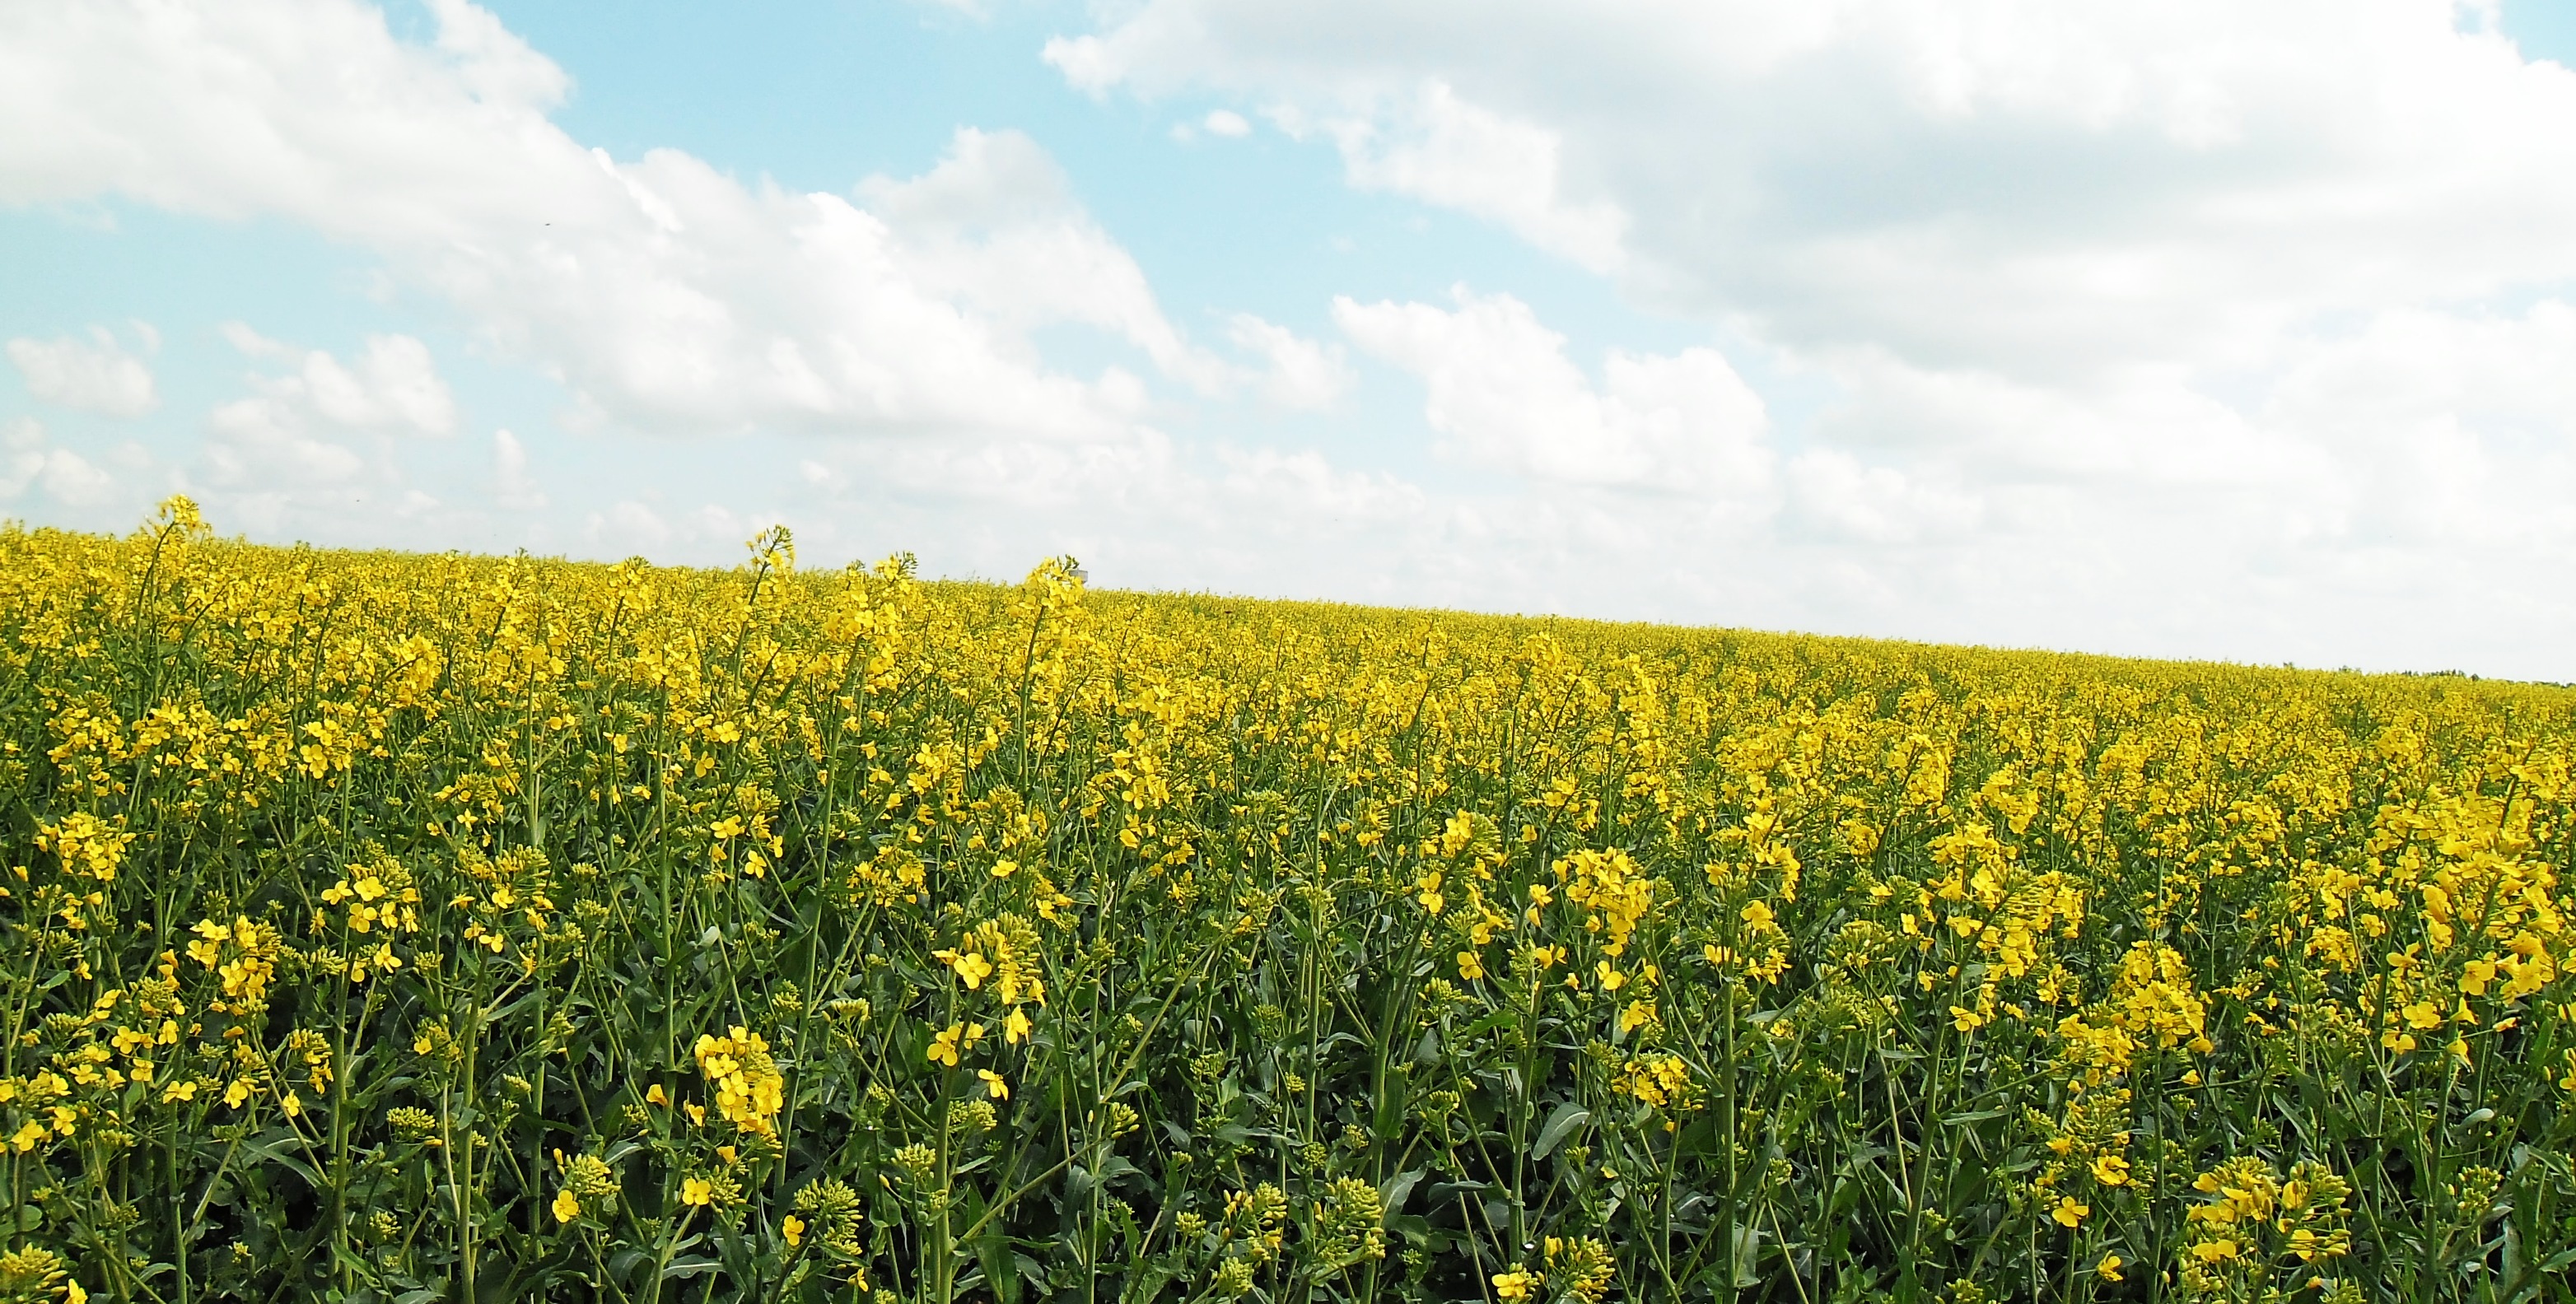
<point>407,928</point>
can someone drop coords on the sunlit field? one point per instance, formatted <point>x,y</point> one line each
<point>406,928</point>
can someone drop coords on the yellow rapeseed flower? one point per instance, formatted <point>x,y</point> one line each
<point>970,966</point>
<point>944,1046</point>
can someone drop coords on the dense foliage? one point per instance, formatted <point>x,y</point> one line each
<point>404,928</point>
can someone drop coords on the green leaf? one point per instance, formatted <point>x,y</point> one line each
<point>1443,1192</point>
<point>1001,1271</point>
<point>1748,1257</point>
<point>1413,1227</point>
<point>1560,1125</point>
<point>692,1266</point>
<point>1392,1195</point>
<point>1389,1122</point>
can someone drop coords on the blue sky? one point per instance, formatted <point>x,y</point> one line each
<point>2189,332</point>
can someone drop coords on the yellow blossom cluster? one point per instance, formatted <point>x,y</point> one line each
<point>749,1088</point>
<point>384,926</point>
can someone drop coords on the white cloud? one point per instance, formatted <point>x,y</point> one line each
<point>394,386</point>
<point>2198,327</point>
<point>2135,432</point>
<point>1144,512</point>
<point>716,521</point>
<point>630,525</point>
<point>1301,373</point>
<point>257,446</point>
<point>2447,429</point>
<point>1439,148</point>
<point>22,455</point>
<point>317,443</point>
<point>995,226</point>
<point>90,492</point>
<point>512,487</point>
<point>2013,184</point>
<point>93,376</point>
<point>1501,387</point>
<point>75,481</point>
<point>665,293</point>
<point>1836,495</point>
<point>711,532</point>
<point>1305,486</point>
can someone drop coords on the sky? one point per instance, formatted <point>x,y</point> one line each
<point>2198,329</point>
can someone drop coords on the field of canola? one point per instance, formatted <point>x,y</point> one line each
<point>409,928</point>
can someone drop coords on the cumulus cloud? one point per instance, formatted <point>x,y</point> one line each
<point>2012,183</point>
<point>22,455</point>
<point>2254,315</point>
<point>1437,147</point>
<point>667,294</point>
<point>318,440</point>
<point>512,487</point>
<point>2194,328</point>
<point>1298,373</point>
<point>392,386</point>
<point>1837,496</point>
<point>1307,486</point>
<point>263,448</point>
<point>1500,386</point>
<point>75,481</point>
<point>93,375</point>
<point>30,460</point>
<point>1147,512</point>
<point>2445,428</point>
<point>995,226</point>
<point>629,525</point>
<point>710,533</point>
